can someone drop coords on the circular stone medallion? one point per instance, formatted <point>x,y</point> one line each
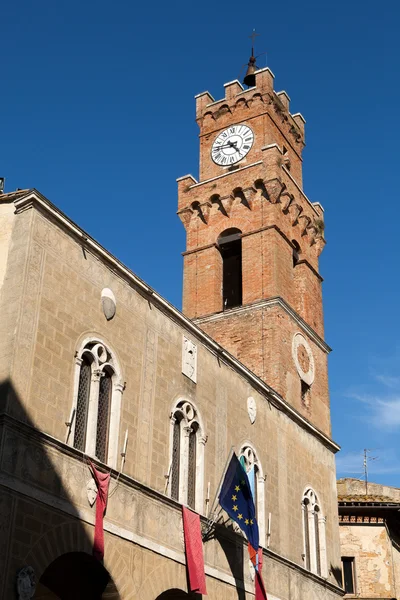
<point>303,358</point>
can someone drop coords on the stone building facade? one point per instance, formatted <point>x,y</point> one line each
<point>94,363</point>
<point>369,539</point>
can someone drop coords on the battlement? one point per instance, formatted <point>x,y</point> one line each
<point>254,101</point>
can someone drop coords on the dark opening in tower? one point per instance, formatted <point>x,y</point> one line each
<point>230,247</point>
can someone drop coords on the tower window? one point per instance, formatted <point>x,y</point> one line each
<point>348,574</point>
<point>286,159</point>
<point>230,246</point>
<point>296,252</point>
<point>305,393</point>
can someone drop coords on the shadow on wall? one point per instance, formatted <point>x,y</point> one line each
<point>56,544</point>
<point>232,547</point>
<point>337,573</point>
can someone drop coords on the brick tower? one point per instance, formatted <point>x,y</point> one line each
<point>251,277</point>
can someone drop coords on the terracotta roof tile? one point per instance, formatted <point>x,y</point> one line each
<point>11,196</point>
<point>364,498</point>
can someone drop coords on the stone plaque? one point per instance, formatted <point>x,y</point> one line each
<point>108,303</point>
<point>189,359</point>
<point>251,408</point>
<point>91,489</point>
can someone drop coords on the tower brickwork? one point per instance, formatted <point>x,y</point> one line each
<point>251,276</point>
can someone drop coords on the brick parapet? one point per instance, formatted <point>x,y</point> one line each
<point>259,107</point>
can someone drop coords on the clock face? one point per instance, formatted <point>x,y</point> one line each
<point>232,145</point>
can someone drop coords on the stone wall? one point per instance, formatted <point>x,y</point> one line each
<point>372,551</point>
<point>52,294</point>
<point>45,514</point>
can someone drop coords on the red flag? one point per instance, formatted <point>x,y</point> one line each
<point>261,594</point>
<point>252,554</point>
<point>257,560</point>
<point>102,481</point>
<point>194,551</point>
<point>260,559</point>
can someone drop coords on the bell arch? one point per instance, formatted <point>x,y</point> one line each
<point>230,247</point>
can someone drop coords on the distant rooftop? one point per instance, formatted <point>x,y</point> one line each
<point>353,491</point>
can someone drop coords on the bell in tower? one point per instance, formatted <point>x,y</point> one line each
<point>250,78</point>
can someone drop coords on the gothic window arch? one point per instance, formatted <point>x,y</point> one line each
<point>250,462</point>
<point>187,441</point>
<point>97,401</point>
<point>314,534</point>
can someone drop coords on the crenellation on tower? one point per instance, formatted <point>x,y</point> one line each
<point>232,89</point>
<point>284,98</point>
<point>259,107</point>
<point>300,122</point>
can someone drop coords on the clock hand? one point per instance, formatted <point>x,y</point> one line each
<point>227,145</point>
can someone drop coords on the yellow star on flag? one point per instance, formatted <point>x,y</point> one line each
<point>246,521</point>
<point>235,508</point>
<point>237,488</point>
<point>243,482</point>
<point>240,516</point>
<point>234,498</point>
<point>251,521</point>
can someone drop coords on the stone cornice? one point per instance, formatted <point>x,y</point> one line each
<point>197,184</point>
<point>199,249</point>
<point>33,199</point>
<point>276,301</point>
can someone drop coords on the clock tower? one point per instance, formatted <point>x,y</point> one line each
<point>251,276</point>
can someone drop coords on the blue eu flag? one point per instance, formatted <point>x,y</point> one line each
<point>236,499</point>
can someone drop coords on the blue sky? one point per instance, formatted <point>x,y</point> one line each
<point>97,112</point>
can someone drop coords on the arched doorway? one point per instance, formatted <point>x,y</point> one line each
<point>175,594</point>
<point>76,576</point>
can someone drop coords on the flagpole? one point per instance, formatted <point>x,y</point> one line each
<point>213,517</point>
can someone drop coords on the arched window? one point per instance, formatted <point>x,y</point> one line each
<point>296,252</point>
<point>230,247</point>
<point>187,439</point>
<point>314,534</point>
<point>249,461</point>
<point>97,402</point>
